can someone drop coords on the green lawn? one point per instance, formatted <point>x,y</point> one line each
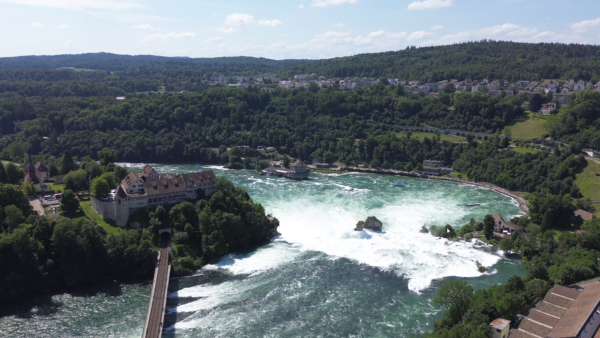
<point>57,187</point>
<point>523,150</point>
<point>90,213</point>
<point>421,135</point>
<point>528,126</point>
<point>589,183</point>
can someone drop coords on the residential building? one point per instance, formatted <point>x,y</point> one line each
<point>565,312</point>
<point>476,88</point>
<point>586,216</point>
<point>121,98</point>
<point>298,171</point>
<point>146,189</point>
<point>432,163</point>
<point>500,328</point>
<point>563,98</point>
<point>547,108</point>
<point>431,171</point>
<point>502,226</point>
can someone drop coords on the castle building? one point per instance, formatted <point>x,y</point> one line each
<point>147,188</point>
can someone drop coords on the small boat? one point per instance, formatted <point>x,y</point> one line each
<point>399,185</point>
<point>198,166</point>
<point>474,204</point>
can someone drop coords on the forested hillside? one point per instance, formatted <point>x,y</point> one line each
<point>476,60</point>
<point>115,62</point>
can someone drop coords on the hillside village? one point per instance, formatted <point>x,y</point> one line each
<point>560,90</point>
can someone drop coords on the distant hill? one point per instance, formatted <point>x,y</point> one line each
<point>492,59</point>
<point>476,60</point>
<point>115,62</point>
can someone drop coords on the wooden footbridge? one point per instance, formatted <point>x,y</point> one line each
<point>158,298</point>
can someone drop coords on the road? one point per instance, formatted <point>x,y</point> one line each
<point>158,301</point>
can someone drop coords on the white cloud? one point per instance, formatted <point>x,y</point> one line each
<point>227,29</point>
<point>215,39</point>
<point>271,23</point>
<point>238,19</point>
<point>172,35</point>
<point>419,35</point>
<point>78,4</point>
<point>143,27</point>
<point>586,25</point>
<point>430,4</point>
<point>63,26</point>
<point>37,24</point>
<point>437,27</point>
<point>325,3</point>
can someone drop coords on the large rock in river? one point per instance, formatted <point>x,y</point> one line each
<point>371,223</point>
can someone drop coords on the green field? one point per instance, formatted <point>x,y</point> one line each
<point>90,213</point>
<point>523,150</point>
<point>589,183</point>
<point>57,187</point>
<point>528,126</point>
<point>419,135</point>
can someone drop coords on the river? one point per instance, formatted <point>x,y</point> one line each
<point>318,279</point>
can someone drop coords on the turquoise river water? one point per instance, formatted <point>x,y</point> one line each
<point>320,278</point>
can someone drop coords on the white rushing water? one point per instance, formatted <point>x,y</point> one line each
<point>319,216</point>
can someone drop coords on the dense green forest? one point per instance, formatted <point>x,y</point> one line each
<point>115,62</point>
<point>40,254</point>
<point>475,60</point>
<point>110,74</point>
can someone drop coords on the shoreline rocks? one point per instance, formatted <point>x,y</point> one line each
<point>372,223</point>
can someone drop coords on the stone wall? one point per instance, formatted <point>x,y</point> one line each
<point>118,212</point>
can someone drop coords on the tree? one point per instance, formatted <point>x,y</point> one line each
<point>535,102</point>
<point>120,173</point>
<point>3,175</point>
<point>488,226</point>
<point>28,188</point>
<point>69,203</point>
<point>67,163</point>
<point>100,188</point>
<point>13,217</point>
<point>286,161</point>
<point>408,167</point>
<point>107,155</point>
<point>14,174</point>
<point>456,297</point>
<point>110,179</point>
<point>76,180</point>
<point>329,157</point>
<point>375,164</point>
<point>506,244</point>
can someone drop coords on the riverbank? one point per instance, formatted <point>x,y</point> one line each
<point>520,200</point>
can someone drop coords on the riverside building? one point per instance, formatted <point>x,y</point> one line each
<point>147,188</point>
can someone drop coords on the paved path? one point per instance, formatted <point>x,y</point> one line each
<point>37,206</point>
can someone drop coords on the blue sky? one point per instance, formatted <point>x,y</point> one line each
<point>283,29</point>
